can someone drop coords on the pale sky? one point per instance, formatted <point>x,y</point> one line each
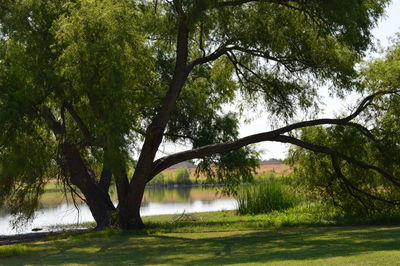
<point>387,27</point>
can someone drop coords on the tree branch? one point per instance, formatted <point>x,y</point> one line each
<point>211,57</point>
<point>328,151</point>
<point>53,123</point>
<point>155,131</point>
<point>178,6</point>
<point>81,125</point>
<point>106,173</point>
<point>274,135</point>
<point>241,74</point>
<point>179,136</point>
<point>281,60</point>
<point>242,2</point>
<point>348,184</point>
<point>201,39</point>
<point>234,3</point>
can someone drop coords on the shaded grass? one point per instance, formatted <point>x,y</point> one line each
<point>304,215</point>
<point>12,250</point>
<point>354,245</point>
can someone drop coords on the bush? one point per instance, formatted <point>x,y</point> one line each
<point>268,196</point>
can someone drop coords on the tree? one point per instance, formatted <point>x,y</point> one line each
<point>87,87</point>
<point>358,170</point>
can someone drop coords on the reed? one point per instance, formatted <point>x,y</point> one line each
<point>270,195</point>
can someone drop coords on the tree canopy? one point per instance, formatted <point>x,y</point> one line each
<point>89,87</point>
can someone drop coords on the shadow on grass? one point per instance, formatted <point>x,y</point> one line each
<point>214,248</point>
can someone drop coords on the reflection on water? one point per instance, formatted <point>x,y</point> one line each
<point>156,201</point>
<point>183,194</point>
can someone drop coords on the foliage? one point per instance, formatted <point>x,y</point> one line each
<point>350,184</point>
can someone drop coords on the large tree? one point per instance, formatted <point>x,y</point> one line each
<point>88,87</point>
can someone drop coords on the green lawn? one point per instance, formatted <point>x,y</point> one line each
<point>216,238</point>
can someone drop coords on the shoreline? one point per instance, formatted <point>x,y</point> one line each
<point>34,236</point>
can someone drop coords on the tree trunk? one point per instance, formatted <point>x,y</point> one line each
<point>129,207</point>
<point>80,175</point>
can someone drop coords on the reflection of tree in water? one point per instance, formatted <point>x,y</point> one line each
<point>154,195</point>
<point>184,194</point>
<point>208,202</point>
<point>167,195</point>
<point>180,194</point>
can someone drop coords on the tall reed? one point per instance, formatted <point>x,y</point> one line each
<point>271,195</point>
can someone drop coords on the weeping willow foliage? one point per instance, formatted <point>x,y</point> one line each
<point>355,189</point>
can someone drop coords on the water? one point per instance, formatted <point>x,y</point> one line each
<point>155,202</point>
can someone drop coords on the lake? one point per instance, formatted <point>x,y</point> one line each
<point>156,201</point>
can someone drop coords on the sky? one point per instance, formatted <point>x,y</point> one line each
<point>387,27</point>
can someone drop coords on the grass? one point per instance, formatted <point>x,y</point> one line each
<point>279,238</point>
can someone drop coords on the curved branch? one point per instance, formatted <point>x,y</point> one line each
<point>339,173</point>
<point>328,151</point>
<point>274,135</point>
<point>208,58</point>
